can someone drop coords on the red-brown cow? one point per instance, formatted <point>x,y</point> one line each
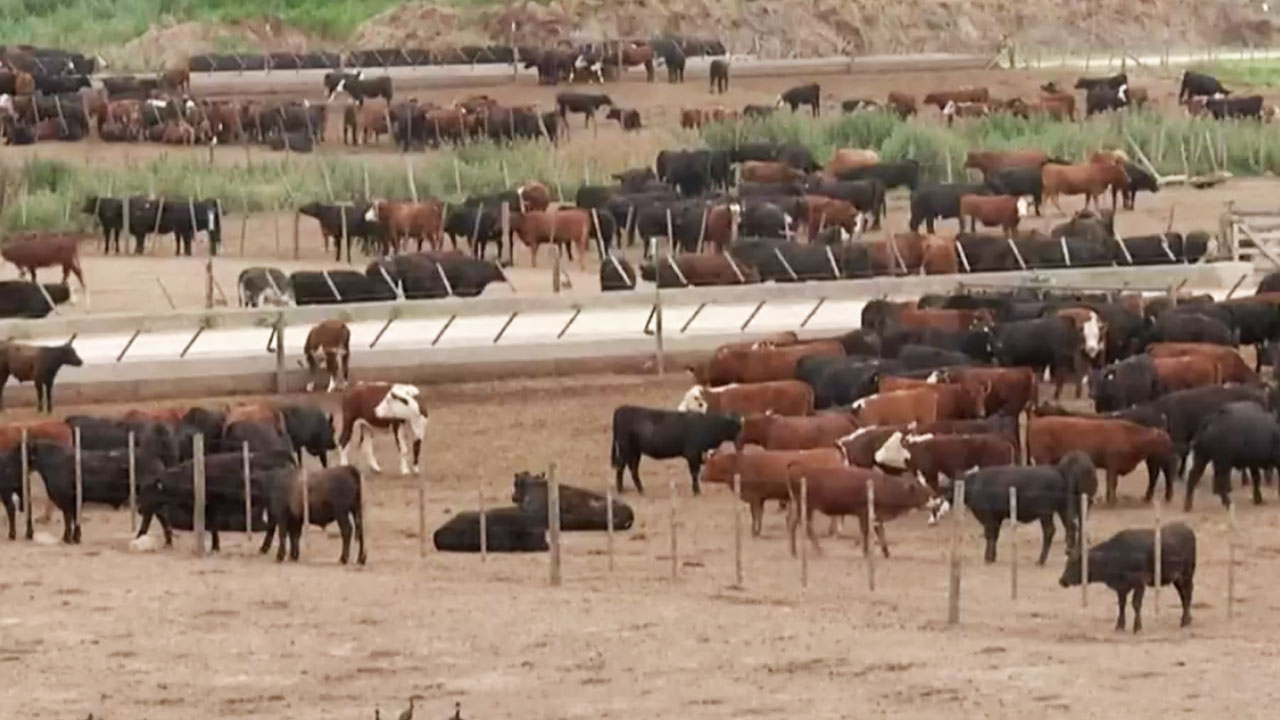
<point>1231,366</point>
<point>956,401</point>
<point>1186,372</point>
<point>776,432</point>
<point>379,405</point>
<point>763,473</point>
<point>1010,390</point>
<point>904,104</point>
<point>400,220</point>
<point>1116,446</point>
<point>989,161</point>
<point>697,269</point>
<point>840,491</point>
<point>330,341</point>
<point>899,407</point>
<point>849,158</point>
<point>773,172</point>
<point>33,250</point>
<point>759,362</point>
<point>783,397</point>
<point>1088,179</point>
<point>938,255</point>
<point>931,455</point>
<point>860,446</point>
<point>567,226</point>
<point>1003,211</point>
<point>963,94</point>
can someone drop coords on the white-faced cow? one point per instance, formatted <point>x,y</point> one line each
<point>391,406</point>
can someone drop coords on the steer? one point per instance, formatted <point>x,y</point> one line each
<point>568,228</point>
<point>666,434</point>
<point>36,363</point>
<point>367,406</point>
<point>1088,179</point>
<point>968,94</point>
<point>1126,563</point>
<point>810,94</point>
<point>1003,211</point>
<point>400,220</point>
<point>772,172</point>
<point>579,509</point>
<point>930,455</point>
<point>955,401</point>
<point>784,397</point>
<point>840,491</point>
<point>902,406</point>
<point>1240,435</point>
<point>761,361</point>
<point>762,475</point>
<point>1011,389</point>
<point>1116,446</point>
<point>778,432</point>
<point>1232,367</point>
<point>331,495</point>
<point>1196,84</point>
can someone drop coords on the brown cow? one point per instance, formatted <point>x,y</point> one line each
<point>173,132</point>
<point>904,104</point>
<point>697,269</point>
<point>23,83</point>
<point>943,319</point>
<point>860,446</point>
<point>330,341</point>
<point>175,80</point>
<point>373,405</point>
<point>1186,372</point>
<point>779,339</point>
<point>1093,332</point>
<point>373,118</point>
<point>1116,446</point>
<point>171,416</point>
<point>783,397</point>
<point>955,401</point>
<point>989,161</point>
<point>824,212</point>
<point>908,256</point>
<point>35,363</point>
<point>226,118</point>
<point>850,158</point>
<point>898,407</point>
<point>1003,211</point>
<point>1088,179</point>
<point>760,363</point>
<point>1231,366</point>
<point>930,455</point>
<point>774,172</point>
<point>763,473</point>
<point>398,220</point>
<point>1010,389</point>
<point>969,94</point>
<point>33,250</point>
<point>570,227</point>
<point>954,110</point>
<point>939,256</point>
<point>776,432</point>
<point>692,118</point>
<point>837,492</point>
<point>255,412</point>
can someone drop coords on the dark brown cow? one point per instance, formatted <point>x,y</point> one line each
<point>1002,211</point>
<point>771,172</point>
<point>36,363</point>
<point>329,341</point>
<point>931,455</point>
<point>860,446</point>
<point>824,212</point>
<point>1116,446</point>
<point>175,80</point>
<point>904,104</point>
<point>989,161</point>
<point>964,94</point>
<point>1088,179</point>
<point>30,251</point>
<point>639,54</point>
<point>1186,372</point>
<point>371,119</point>
<point>399,220</point>
<point>955,401</point>
<point>698,269</point>
<point>570,227</point>
<point>776,432</point>
<point>763,473</point>
<point>837,492</point>
<point>379,405</point>
<point>1010,390</point>
<point>692,118</point>
<point>938,255</point>
<point>896,408</point>
<point>758,362</point>
<point>1231,366</point>
<point>782,397</point>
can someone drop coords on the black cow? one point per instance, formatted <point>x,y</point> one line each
<point>904,173</point>
<point>56,84</point>
<point>635,180</point>
<point>976,344</point>
<point>719,76</point>
<point>616,274</point>
<point>411,274</point>
<point>1240,435</point>
<point>23,299</point>
<point>468,277</point>
<point>153,439</point>
<point>783,261</point>
<point>1123,384</point>
<point>1089,241</point>
<point>693,171</point>
<point>1162,248</point>
<point>1104,98</point>
<point>333,495</point>
<point>479,222</point>
<point>673,57</point>
<point>585,104</point>
<point>181,217</point>
<point>1249,106</point>
<point>758,111</point>
<point>1115,82</point>
<point>858,105</point>
<point>310,429</point>
<point>109,212</point>
<point>1139,179</point>
<point>866,196</point>
<point>104,478</point>
<point>797,155</point>
<point>926,357</point>
<point>840,381</point>
<point>930,202</point>
<point>358,86</point>
<point>507,530</point>
<point>1053,343</point>
<point>1023,180</point>
<point>314,288</point>
<point>298,141</point>
<point>1175,326</point>
<point>1195,84</point>
<point>259,286</point>
<point>1187,410</point>
<point>261,437</point>
<point>579,509</point>
<point>810,94</point>
<point>666,434</point>
<point>1126,563</point>
<point>1043,492</point>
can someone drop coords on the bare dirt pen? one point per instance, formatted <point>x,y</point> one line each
<point>123,284</point>
<point>95,628</point>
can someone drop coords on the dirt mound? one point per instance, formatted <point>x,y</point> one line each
<point>164,46</point>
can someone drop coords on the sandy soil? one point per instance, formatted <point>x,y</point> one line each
<point>95,628</point>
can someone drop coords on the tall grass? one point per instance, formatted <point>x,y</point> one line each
<point>1251,73</point>
<point>48,194</point>
<point>1249,147</point>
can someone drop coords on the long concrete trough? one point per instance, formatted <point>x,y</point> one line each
<point>185,354</point>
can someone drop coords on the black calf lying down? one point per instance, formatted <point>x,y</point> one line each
<point>579,509</point>
<point>508,529</point>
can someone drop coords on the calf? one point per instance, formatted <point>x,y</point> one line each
<point>579,509</point>
<point>777,432</point>
<point>585,104</point>
<point>1240,435</point>
<point>967,94</point>
<point>784,397</point>
<point>37,363</point>
<point>719,76</point>
<point>332,495</point>
<point>762,475</point>
<point>903,104</point>
<point>1116,446</point>
<point>1003,211</point>
<point>809,94</point>
<point>259,286</point>
<point>628,118</point>
<point>664,434</point>
<point>840,491</point>
<point>1126,563</point>
<point>930,455</point>
<point>367,406</point>
<point>328,341</point>
<point>1042,492</point>
<point>1195,84</point>
<point>568,228</point>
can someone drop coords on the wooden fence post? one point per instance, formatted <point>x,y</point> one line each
<point>248,490</point>
<point>804,532</point>
<point>1158,573</point>
<point>133,483</point>
<point>197,485</point>
<point>737,528</point>
<point>1013,543</point>
<point>1084,550</point>
<point>1231,562</point>
<point>75,439</point>
<point>675,541</point>
<point>608,518</point>
<point>484,525</point>
<point>871,533</point>
<point>953,591</point>
<point>553,523</point>
<point>26,488</point>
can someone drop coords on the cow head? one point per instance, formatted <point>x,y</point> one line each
<point>1122,94</point>
<point>894,453</point>
<point>1071,573</point>
<point>950,108</point>
<point>1093,332</point>
<point>1022,207</point>
<point>524,484</point>
<point>374,210</point>
<point>695,400</point>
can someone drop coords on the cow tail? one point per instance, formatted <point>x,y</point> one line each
<point>615,452</point>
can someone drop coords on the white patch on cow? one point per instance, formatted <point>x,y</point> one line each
<point>400,403</point>
<point>780,102</point>
<point>1022,207</point>
<point>860,403</point>
<point>520,197</point>
<point>6,101</point>
<point>938,508</point>
<point>950,109</point>
<point>893,453</point>
<point>306,103</point>
<point>311,385</point>
<point>695,400</point>
<point>1047,376</point>
<point>72,298</point>
<point>214,140</point>
<point>372,214</point>
<point>209,213</point>
<point>360,74</point>
<point>1123,93</point>
<point>857,229</point>
<point>332,382</point>
<point>189,104</point>
<point>1219,96</point>
<point>157,104</point>
<point>1092,331</point>
<point>735,209</point>
<point>934,377</point>
<point>924,483</point>
<point>912,438</point>
<point>787,221</point>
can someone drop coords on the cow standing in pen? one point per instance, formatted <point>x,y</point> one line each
<point>329,341</point>
<point>380,405</point>
<point>36,363</point>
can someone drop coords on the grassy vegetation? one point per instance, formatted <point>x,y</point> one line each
<point>1249,148</point>
<point>48,194</point>
<point>1251,73</point>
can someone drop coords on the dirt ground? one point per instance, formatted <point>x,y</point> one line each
<point>122,284</point>
<point>98,629</point>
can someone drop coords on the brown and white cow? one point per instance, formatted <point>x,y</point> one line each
<point>329,341</point>
<point>930,455</point>
<point>783,397</point>
<point>382,405</point>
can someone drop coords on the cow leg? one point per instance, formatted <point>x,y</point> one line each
<point>695,464</point>
<point>634,464</point>
<point>295,538</point>
<point>1046,537</point>
<point>1222,482</point>
<point>344,525</point>
<point>1153,476</point>
<point>1121,596</point>
<point>813,536</point>
<point>991,533</point>
<point>269,536</point>
<point>1112,481</point>
<point>332,368</point>
<point>311,371</point>
<point>366,443</point>
<point>1255,476</point>
<point>1184,587</point>
<point>884,544</point>
<point>402,446</point>
<point>10,513</point>
<point>833,530</point>
<point>757,516</point>
<point>68,522</point>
